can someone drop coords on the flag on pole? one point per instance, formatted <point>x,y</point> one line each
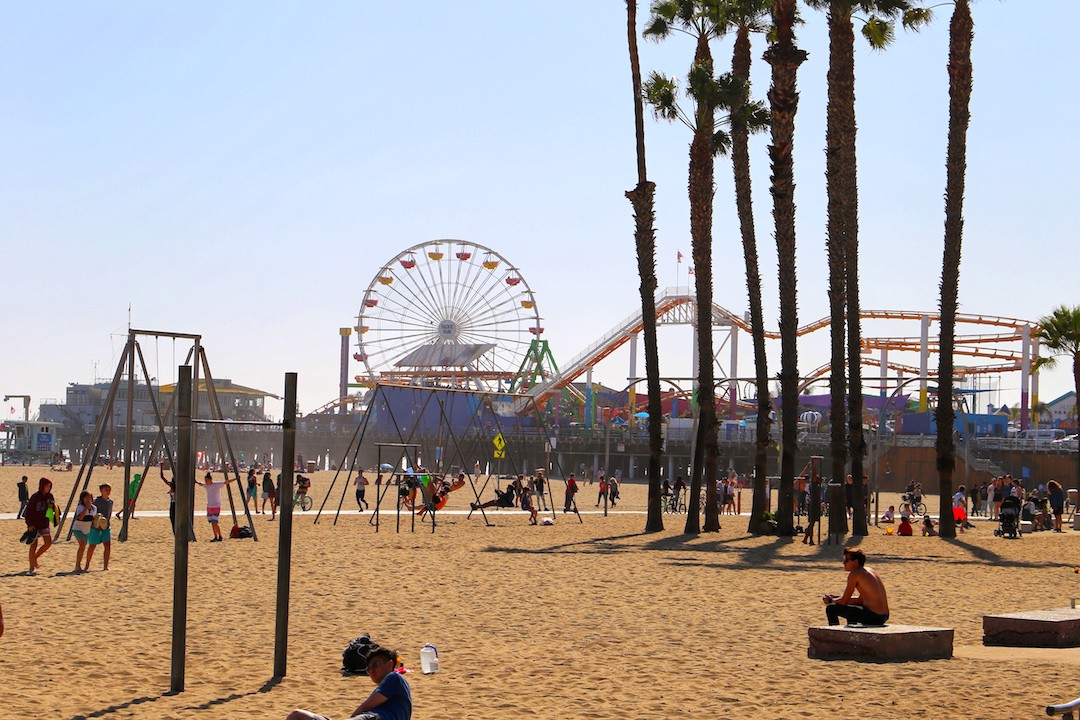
<point>680,256</point>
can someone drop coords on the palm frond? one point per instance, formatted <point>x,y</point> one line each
<point>661,92</point>
<point>879,32</point>
<point>721,142</point>
<point>917,18</point>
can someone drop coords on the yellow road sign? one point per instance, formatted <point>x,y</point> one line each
<point>499,442</point>
<point>499,454</point>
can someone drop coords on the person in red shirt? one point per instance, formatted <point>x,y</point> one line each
<point>571,491</point>
<point>905,526</point>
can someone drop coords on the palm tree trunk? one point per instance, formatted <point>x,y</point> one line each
<point>841,70</point>
<point>641,198</point>
<point>740,162</point>
<point>702,190</point>
<point>961,32</point>
<point>785,58</point>
<point>844,211</point>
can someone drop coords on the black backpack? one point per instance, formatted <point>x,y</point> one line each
<point>354,659</point>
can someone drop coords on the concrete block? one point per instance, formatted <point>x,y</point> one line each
<point>890,643</point>
<point>1035,628</point>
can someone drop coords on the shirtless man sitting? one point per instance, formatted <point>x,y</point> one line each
<point>870,606</point>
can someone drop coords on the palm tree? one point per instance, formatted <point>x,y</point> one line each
<point>960,35</point>
<point>747,16</point>
<point>641,198</point>
<point>843,226</point>
<point>785,58</point>
<point>698,19</point>
<point>1060,331</point>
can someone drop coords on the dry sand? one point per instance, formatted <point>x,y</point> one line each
<point>577,620</point>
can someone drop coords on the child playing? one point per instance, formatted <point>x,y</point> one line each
<point>83,524</point>
<point>213,503</point>
<point>528,504</point>
<point>37,522</point>
<point>391,699</point>
<point>101,526</point>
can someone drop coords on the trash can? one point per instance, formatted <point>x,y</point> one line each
<point>312,466</point>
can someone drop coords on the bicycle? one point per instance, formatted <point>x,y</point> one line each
<point>913,504</point>
<point>673,504</point>
<point>303,501</point>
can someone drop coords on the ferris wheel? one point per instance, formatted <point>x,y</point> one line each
<point>446,312</point>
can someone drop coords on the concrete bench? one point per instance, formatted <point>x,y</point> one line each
<point>889,643</point>
<point>1035,628</point>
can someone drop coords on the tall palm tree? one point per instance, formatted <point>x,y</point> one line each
<point>698,19</point>
<point>785,58</point>
<point>641,198</point>
<point>745,17</point>
<point>961,32</point>
<point>1060,331</point>
<point>843,227</point>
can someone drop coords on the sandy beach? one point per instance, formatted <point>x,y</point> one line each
<point>576,620</point>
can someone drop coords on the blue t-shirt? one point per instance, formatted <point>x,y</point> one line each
<point>398,705</point>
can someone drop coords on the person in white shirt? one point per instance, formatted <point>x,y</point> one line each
<point>213,502</point>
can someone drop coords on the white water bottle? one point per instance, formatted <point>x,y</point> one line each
<point>429,659</point>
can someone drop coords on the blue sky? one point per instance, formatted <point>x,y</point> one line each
<point>243,170</point>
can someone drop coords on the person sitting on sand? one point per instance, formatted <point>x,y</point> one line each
<point>889,516</point>
<point>905,527</point>
<point>870,606</point>
<point>928,529</point>
<point>390,700</point>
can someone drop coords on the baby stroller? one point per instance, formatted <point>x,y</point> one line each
<point>1009,518</point>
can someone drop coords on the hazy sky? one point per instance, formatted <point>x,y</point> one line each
<point>244,169</point>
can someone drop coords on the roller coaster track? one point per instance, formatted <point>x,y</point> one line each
<point>677,307</point>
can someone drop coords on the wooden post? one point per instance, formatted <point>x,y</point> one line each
<point>126,508</point>
<point>288,455</point>
<point>184,477</point>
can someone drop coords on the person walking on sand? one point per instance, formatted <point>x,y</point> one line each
<point>24,498</point>
<point>37,522</point>
<point>101,527</point>
<point>85,513</point>
<point>213,502</point>
<point>253,490</point>
<point>602,495</point>
<point>541,489</point>
<point>269,493</point>
<point>361,483</point>
<point>571,491</point>
<point>870,606</point>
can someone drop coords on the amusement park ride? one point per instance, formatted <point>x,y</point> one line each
<point>457,314</point>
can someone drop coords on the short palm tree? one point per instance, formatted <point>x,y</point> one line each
<point>1060,331</point>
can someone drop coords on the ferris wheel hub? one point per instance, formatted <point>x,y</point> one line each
<point>448,331</point>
